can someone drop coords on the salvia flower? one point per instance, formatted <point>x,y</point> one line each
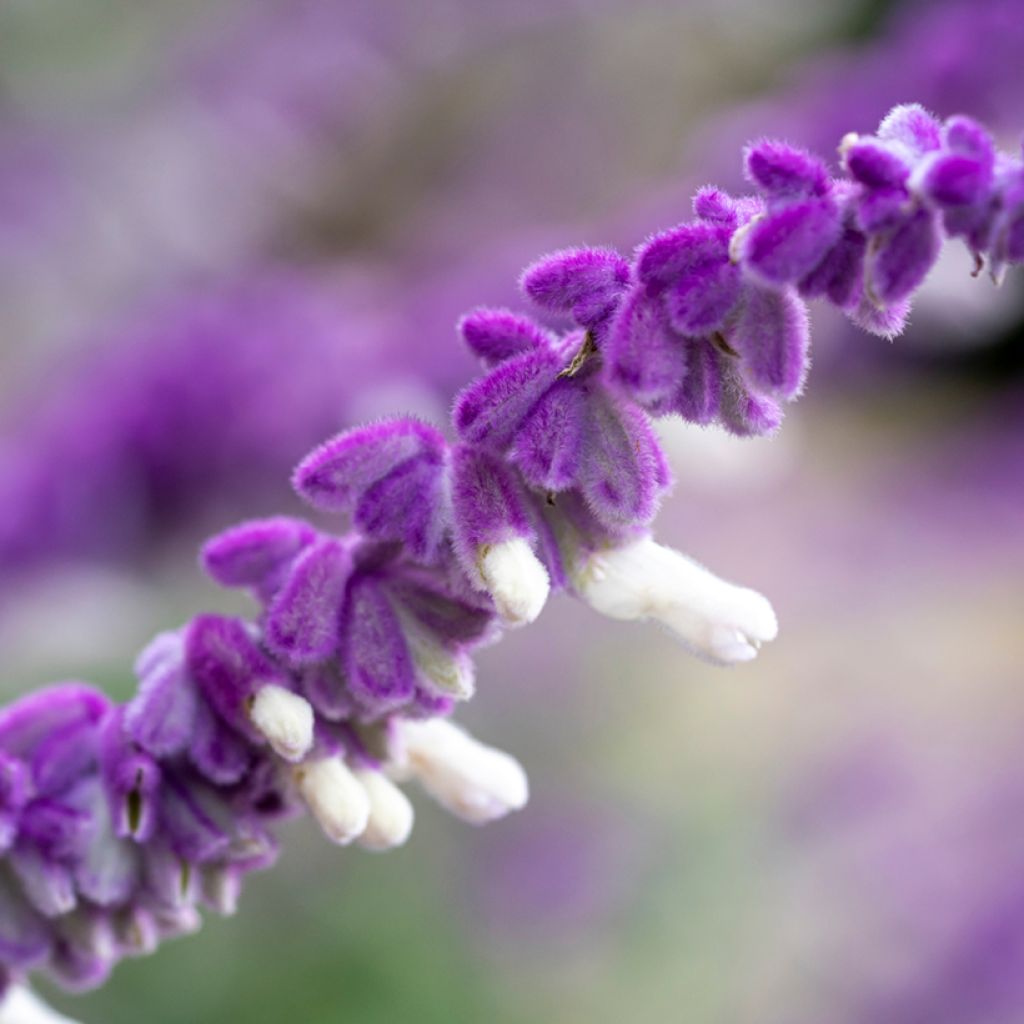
<point>118,822</point>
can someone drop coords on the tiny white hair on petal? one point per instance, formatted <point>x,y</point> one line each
<point>22,1006</point>
<point>285,719</point>
<point>475,782</point>
<point>391,814</point>
<point>516,579</point>
<point>335,797</point>
<point>718,621</point>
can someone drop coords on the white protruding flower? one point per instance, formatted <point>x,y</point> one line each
<point>285,719</point>
<point>716,620</point>
<point>22,1006</point>
<point>516,578</point>
<point>335,797</point>
<point>220,887</point>
<point>475,782</point>
<point>391,814</point>
<point>450,673</point>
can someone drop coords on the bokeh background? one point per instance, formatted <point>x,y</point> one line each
<point>231,227</point>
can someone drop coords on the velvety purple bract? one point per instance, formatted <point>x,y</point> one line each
<point>489,411</point>
<point>904,257</point>
<point>646,359</point>
<point>773,339</point>
<point>782,171</point>
<point>913,127</point>
<point>249,554</point>
<point>498,334</point>
<point>584,282</point>
<point>548,449</point>
<point>226,665</point>
<point>374,652</point>
<point>626,472</point>
<point>789,242</point>
<point>334,476</point>
<point>302,619</point>
<point>489,504</point>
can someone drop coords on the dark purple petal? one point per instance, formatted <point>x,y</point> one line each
<point>227,666</point>
<point>248,554</point>
<point>64,755</point>
<point>374,653</point>
<point>333,476</point>
<point>881,208</point>
<point>28,721</point>
<point>498,334</point>
<point>161,715</point>
<point>324,688</point>
<point>644,359</point>
<point>666,257</point>
<point>840,275</point>
<point>791,241</point>
<point>625,470</point>
<point>410,506</point>
<point>954,179</point>
<point>911,125</point>
<point>904,257</point>
<point>699,396</point>
<point>585,282</point>
<point>491,409</point>
<point>489,504</point>
<point>876,164</point>
<point>699,301</point>
<point>56,828</point>
<point>772,337</point>
<point>189,820</point>
<point>456,614</point>
<point>782,171</point>
<point>218,752</point>
<point>302,620</point>
<point>965,135</point>
<point>712,204</point>
<point>548,447</point>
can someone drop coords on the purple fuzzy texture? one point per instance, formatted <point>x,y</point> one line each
<point>111,814</point>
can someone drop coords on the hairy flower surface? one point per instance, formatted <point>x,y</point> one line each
<point>118,822</point>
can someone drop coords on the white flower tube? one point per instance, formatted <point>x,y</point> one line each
<point>285,719</point>
<point>475,782</point>
<point>391,814</point>
<point>718,621</point>
<point>516,578</point>
<point>335,797</point>
<point>22,1006</point>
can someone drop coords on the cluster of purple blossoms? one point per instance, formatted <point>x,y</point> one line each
<point>116,822</point>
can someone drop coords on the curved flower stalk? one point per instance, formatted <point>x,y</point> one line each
<point>118,822</point>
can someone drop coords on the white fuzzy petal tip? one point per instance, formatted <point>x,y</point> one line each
<point>516,579</point>
<point>475,782</point>
<point>718,621</point>
<point>22,1006</point>
<point>391,814</point>
<point>336,798</point>
<point>285,719</point>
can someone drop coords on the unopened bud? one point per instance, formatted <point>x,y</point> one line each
<point>285,719</point>
<point>516,579</point>
<point>335,797</point>
<point>391,814</point>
